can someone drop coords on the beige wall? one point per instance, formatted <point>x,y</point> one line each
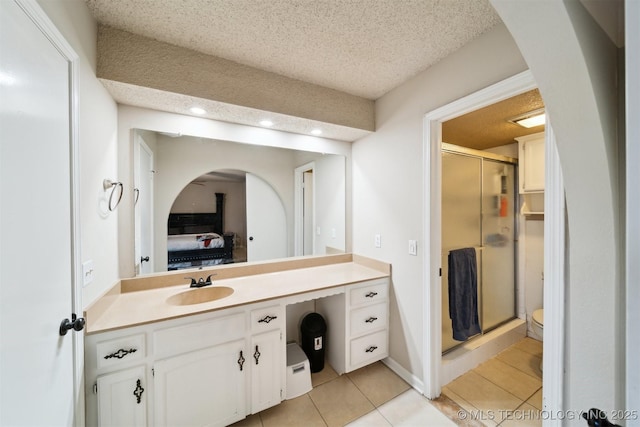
<point>389,194</point>
<point>98,147</point>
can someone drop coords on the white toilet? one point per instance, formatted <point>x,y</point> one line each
<point>537,324</point>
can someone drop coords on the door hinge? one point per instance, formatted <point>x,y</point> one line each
<point>153,372</point>
<point>440,273</point>
<point>95,388</point>
<point>281,395</point>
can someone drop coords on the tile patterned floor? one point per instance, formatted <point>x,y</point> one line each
<point>502,391</point>
<point>505,390</point>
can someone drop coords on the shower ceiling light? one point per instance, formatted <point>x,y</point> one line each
<point>530,119</point>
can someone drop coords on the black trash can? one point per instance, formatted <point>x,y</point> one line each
<point>313,331</point>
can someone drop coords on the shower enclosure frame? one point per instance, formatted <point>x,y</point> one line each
<point>515,202</point>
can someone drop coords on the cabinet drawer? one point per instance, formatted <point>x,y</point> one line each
<point>120,350</point>
<point>194,336</point>
<point>369,348</point>
<point>267,318</point>
<point>368,319</point>
<point>373,292</point>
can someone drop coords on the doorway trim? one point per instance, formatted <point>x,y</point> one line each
<point>298,208</point>
<point>554,245</point>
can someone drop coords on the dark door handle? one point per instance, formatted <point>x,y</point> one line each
<point>143,259</point>
<point>251,238</point>
<point>76,323</point>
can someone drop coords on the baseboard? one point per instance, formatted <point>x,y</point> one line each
<point>407,376</point>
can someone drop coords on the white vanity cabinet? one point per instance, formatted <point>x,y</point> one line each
<point>214,368</point>
<point>118,393</point>
<point>200,372</point>
<point>357,325</point>
<point>201,388</point>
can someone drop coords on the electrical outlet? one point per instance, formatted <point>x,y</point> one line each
<point>377,241</point>
<point>87,272</point>
<point>413,247</point>
<point>333,233</point>
<point>318,231</point>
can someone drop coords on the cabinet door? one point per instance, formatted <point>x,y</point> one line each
<point>202,388</point>
<point>533,164</point>
<point>266,370</point>
<point>122,398</point>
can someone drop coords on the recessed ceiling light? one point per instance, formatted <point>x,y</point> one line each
<point>197,110</point>
<point>530,119</point>
<point>316,132</point>
<point>266,123</point>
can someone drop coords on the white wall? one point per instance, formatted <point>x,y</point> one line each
<point>330,176</point>
<point>575,65</point>
<point>632,100</point>
<point>389,177</point>
<point>98,146</point>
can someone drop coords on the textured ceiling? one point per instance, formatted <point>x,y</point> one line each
<point>361,47</point>
<point>489,127</point>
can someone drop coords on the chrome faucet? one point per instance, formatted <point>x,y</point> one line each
<point>201,282</point>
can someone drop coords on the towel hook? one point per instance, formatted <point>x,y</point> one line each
<point>115,186</point>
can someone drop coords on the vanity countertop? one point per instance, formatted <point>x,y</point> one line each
<point>138,301</point>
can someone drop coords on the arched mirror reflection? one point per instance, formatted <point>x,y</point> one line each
<point>275,202</point>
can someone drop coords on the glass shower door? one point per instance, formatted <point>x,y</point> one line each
<point>478,197</point>
<point>461,222</point>
<point>498,254</point>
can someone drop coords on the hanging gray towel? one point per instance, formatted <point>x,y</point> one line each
<point>463,293</point>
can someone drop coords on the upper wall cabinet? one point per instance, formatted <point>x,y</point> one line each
<point>531,163</point>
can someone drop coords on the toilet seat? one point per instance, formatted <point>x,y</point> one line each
<point>538,316</point>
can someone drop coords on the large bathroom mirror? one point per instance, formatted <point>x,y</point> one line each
<point>263,202</point>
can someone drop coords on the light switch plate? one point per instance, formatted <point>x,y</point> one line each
<point>87,272</point>
<point>377,241</point>
<point>413,247</point>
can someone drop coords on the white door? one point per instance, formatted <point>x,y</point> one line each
<point>266,221</point>
<point>37,223</point>
<point>143,178</point>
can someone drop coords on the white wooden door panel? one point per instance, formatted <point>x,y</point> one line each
<point>36,221</point>
<point>266,221</point>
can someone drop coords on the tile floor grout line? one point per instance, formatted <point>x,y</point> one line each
<point>327,381</point>
<point>502,388</point>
